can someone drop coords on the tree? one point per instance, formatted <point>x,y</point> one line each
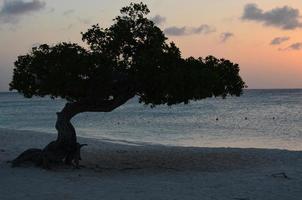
<point>131,57</point>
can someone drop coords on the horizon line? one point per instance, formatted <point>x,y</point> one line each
<point>7,91</point>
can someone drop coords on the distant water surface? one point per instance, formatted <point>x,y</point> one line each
<point>259,119</point>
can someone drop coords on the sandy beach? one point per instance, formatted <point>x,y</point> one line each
<point>164,100</point>
<point>124,170</point>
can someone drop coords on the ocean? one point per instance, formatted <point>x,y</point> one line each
<point>258,119</point>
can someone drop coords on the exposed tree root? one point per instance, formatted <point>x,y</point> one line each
<point>66,149</point>
<point>52,154</point>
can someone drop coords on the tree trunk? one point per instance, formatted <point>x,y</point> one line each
<point>66,143</point>
<point>65,147</point>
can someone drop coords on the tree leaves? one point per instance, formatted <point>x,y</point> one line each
<point>132,53</point>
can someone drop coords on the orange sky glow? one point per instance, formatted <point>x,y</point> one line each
<point>262,64</point>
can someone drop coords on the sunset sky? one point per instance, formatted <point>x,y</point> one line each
<point>263,36</point>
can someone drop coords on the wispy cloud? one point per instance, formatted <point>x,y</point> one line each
<point>176,31</point>
<point>50,10</point>
<point>286,17</point>
<point>279,40</point>
<point>295,46</point>
<point>224,37</point>
<point>158,19</point>
<point>181,31</point>
<point>68,12</point>
<point>13,10</point>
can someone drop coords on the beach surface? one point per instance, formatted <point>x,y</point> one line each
<point>129,170</point>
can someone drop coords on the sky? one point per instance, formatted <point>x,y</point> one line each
<point>263,36</point>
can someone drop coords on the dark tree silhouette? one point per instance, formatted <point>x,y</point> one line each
<point>131,57</point>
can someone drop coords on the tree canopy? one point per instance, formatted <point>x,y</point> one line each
<point>131,57</point>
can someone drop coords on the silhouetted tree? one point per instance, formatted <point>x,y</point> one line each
<point>131,57</point>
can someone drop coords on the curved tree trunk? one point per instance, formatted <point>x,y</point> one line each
<point>66,143</point>
<point>65,147</point>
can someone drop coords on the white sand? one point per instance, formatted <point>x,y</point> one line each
<point>121,170</point>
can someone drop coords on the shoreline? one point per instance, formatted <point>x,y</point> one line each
<point>212,144</point>
<point>130,170</point>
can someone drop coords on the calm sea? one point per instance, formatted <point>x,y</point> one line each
<point>260,119</point>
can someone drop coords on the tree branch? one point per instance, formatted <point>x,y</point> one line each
<point>95,105</point>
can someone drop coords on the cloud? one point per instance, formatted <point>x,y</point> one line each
<point>226,36</point>
<point>176,31</point>
<point>279,40</point>
<point>286,18</point>
<point>204,29</point>
<point>13,9</point>
<point>181,31</point>
<point>51,10</point>
<point>158,20</point>
<point>68,12</point>
<point>296,46</point>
